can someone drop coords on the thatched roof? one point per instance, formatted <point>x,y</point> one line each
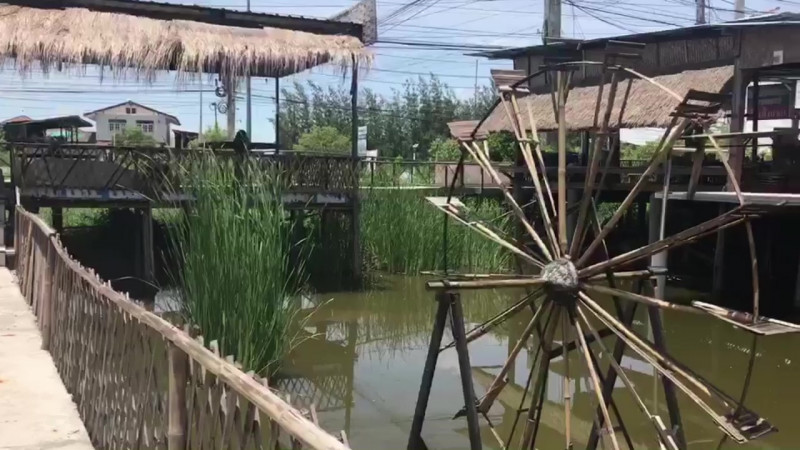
<point>77,37</point>
<point>648,105</point>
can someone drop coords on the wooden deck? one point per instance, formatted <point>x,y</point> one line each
<point>35,409</point>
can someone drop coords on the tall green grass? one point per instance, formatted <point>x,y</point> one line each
<point>402,233</point>
<point>236,274</point>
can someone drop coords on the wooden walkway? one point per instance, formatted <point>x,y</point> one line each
<point>36,412</point>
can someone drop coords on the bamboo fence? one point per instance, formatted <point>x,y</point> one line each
<point>137,380</point>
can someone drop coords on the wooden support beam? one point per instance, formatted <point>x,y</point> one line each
<point>148,262</point>
<point>177,383</point>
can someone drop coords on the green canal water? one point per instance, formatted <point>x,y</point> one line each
<point>363,361</point>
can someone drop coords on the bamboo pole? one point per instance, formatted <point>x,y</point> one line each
<point>492,236</point>
<point>479,157</point>
<point>500,380</point>
<point>649,301</point>
<point>566,386</point>
<point>665,366</point>
<point>176,425</point>
<point>542,166</point>
<point>666,440</point>
<point>595,382</point>
<point>499,319</point>
<point>483,284</point>
<point>682,238</point>
<point>532,422</point>
<point>562,165</point>
<point>525,149</point>
<point>654,163</point>
<point>751,241</point>
<point>588,185</point>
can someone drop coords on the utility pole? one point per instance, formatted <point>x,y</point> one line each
<point>700,15</point>
<point>230,90</point>
<point>201,130</point>
<point>249,123</point>
<point>552,20</point>
<point>739,9</point>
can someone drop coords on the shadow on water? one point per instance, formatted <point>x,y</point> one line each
<point>362,362</point>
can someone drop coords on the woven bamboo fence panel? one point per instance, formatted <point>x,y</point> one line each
<point>137,380</point>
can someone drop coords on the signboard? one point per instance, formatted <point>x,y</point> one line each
<point>775,101</point>
<point>362,141</point>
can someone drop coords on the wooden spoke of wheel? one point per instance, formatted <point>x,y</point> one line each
<point>606,169</point>
<point>588,184</point>
<point>516,208</point>
<point>751,241</point>
<point>525,149</point>
<point>497,320</point>
<point>500,381</point>
<point>584,347</point>
<point>730,218</point>
<point>484,284</point>
<point>562,163</point>
<point>667,440</point>
<point>567,387</point>
<point>478,156</point>
<point>537,148</point>
<point>533,417</point>
<point>666,367</point>
<point>639,298</point>
<point>450,210</point>
<point>655,162</point>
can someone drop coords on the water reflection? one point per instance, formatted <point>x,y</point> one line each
<point>362,358</point>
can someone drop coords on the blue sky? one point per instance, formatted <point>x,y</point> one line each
<point>478,22</point>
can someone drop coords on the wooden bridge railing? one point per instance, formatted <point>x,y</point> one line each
<point>138,381</point>
<point>148,170</point>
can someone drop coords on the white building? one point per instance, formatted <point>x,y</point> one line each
<point>111,120</point>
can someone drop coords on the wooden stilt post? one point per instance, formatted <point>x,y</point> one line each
<point>58,219</point>
<point>147,244</point>
<point>415,436</point>
<point>658,264</point>
<point>718,277</point>
<point>3,262</point>
<point>356,199</point>
<point>457,326</point>
<point>176,427</point>
<point>797,287</point>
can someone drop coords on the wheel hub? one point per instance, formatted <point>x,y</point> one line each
<point>561,275</point>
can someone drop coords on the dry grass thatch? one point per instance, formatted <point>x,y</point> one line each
<point>75,37</point>
<point>648,105</point>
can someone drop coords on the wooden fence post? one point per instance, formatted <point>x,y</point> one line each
<point>47,294</point>
<point>176,427</point>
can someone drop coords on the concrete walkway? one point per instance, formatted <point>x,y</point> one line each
<point>36,412</point>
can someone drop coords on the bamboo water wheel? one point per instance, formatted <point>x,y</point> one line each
<point>563,281</point>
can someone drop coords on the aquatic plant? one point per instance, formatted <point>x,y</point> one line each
<point>235,273</point>
<point>402,233</point>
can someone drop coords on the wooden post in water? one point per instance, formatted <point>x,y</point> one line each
<point>148,263</point>
<point>355,200</point>
<point>3,259</point>
<point>58,219</point>
<point>415,436</point>
<point>658,264</point>
<point>176,427</point>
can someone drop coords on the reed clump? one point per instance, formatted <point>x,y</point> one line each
<point>403,234</point>
<point>236,276</point>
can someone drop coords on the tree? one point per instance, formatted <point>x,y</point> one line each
<point>134,137</point>
<point>445,150</point>
<point>324,140</point>
<point>417,113</point>
<point>502,146</point>
<point>638,152</point>
<point>212,135</point>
